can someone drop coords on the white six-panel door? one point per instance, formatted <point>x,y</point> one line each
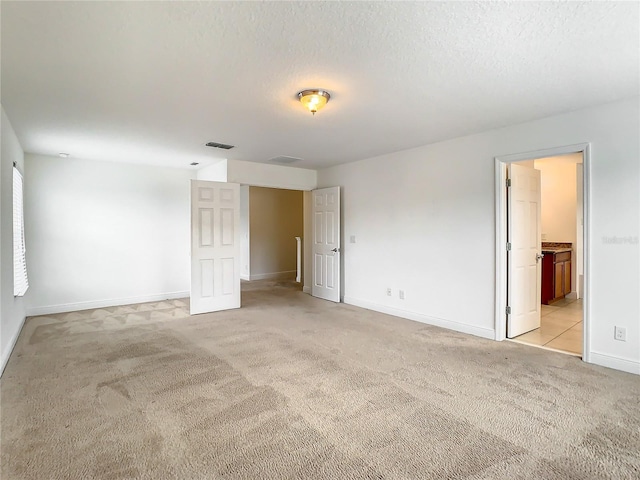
<point>524,257</point>
<point>215,246</point>
<point>326,243</point>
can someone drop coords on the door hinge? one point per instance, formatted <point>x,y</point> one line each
<point>508,246</point>
<point>508,310</point>
<point>508,182</point>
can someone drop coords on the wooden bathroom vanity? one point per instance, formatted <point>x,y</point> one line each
<point>556,272</point>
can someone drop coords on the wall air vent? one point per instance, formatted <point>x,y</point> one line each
<point>219,145</point>
<point>283,160</point>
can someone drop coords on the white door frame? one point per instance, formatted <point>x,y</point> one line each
<point>501,235</point>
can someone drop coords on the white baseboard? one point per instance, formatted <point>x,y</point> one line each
<point>245,277</point>
<point>617,363</point>
<point>572,295</point>
<point>418,317</point>
<point>306,289</point>
<point>112,302</point>
<point>289,275</point>
<point>11,345</point>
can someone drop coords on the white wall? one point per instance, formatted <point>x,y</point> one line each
<point>105,233</point>
<point>424,221</point>
<point>213,173</point>
<point>12,309</point>
<point>273,176</point>
<point>276,218</point>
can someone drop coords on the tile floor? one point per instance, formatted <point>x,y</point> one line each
<point>560,327</point>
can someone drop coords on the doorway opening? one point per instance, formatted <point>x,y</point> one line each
<point>541,249</point>
<point>223,261</point>
<point>270,235</point>
<point>271,232</point>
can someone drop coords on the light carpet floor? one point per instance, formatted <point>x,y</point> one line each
<point>290,386</point>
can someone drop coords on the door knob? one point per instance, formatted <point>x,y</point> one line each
<point>539,256</point>
<point>336,250</point>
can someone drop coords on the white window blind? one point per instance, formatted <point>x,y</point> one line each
<point>20,280</point>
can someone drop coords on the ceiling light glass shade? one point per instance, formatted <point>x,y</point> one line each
<point>314,100</point>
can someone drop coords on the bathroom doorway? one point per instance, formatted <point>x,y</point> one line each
<point>561,326</point>
<point>541,249</point>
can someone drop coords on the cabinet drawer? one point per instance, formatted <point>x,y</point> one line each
<point>562,257</point>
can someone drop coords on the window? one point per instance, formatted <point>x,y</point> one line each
<point>20,280</point>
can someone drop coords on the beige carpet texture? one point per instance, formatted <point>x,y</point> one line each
<point>293,387</point>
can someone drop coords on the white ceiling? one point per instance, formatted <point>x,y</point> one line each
<point>151,82</point>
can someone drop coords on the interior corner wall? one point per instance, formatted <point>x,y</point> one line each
<point>425,223</point>
<point>276,218</point>
<point>12,309</point>
<point>105,233</point>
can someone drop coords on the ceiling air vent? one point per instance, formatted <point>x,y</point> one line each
<point>219,145</point>
<point>283,159</point>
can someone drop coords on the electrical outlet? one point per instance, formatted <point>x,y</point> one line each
<point>388,292</point>
<point>620,333</point>
<point>401,294</point>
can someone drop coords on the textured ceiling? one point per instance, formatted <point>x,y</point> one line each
<point>151,82</point>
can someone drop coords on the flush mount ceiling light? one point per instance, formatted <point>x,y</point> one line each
<point>63,155</point>
<point>314,99</point>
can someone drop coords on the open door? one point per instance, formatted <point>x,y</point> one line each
<point>215,246</point>
<point>326,244</point>
<point>524,254</point>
